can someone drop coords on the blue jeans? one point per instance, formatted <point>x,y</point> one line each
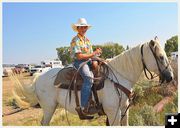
<point>87,81</point>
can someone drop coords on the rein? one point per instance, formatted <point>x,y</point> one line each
<point>144,65</point>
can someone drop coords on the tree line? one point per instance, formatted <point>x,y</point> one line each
<point>111,49</point>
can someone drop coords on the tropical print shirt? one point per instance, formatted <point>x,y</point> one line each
<point>80,44</point>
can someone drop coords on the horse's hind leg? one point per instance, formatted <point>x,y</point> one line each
<point>48,112</point>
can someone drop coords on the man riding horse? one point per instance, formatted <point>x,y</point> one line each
<point>81,51</point>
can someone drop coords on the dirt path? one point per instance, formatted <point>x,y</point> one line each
<point>159,106</point>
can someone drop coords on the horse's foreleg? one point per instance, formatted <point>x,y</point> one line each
<point>48,112</point>
<point>116,120</point>
<point>113,118</point>
<point>124,121</point>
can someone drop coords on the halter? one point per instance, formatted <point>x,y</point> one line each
<point>157,60</point>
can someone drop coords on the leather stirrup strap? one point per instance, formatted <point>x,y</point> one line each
<point>95,94</point>
<point>76,93</point>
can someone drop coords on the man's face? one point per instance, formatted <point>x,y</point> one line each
<point>82,30</point>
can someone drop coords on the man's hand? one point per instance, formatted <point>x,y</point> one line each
<point>98,51</point>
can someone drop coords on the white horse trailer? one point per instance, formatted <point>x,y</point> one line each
<point>174,55</point>
<point>52,63</point>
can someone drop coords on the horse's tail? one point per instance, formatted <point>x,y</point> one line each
<point>24,95</point>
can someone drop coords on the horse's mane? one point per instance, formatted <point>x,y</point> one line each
<point>128,63</point>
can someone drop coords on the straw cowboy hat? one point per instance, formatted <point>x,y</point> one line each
<point>80,22</point>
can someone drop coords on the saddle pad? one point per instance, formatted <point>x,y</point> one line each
<point>64,77</point>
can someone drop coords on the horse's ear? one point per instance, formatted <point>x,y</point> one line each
<point>152,43</point>
<point>156,39</point>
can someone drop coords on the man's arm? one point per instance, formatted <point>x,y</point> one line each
<point>81,56</point>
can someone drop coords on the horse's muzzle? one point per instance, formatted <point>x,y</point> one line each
<point>167,76</point>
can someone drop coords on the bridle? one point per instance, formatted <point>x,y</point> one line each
<point>161,72</point>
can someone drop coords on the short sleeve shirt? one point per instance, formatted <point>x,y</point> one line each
<point>80,44</point>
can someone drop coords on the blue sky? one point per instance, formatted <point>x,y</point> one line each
<point>33,31</point>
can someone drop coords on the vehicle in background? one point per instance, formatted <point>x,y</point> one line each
<point>5,73</point>
<point>20,68</point>
<point>7,69</point>
<point>38,69</point>
<point>174,55</point>
<point>56,64</point>
<point>26,69</point>
<point>53,63</point>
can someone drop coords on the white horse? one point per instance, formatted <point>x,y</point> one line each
<point>127,67</point>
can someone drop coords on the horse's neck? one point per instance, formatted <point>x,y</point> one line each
<point>128,64</point>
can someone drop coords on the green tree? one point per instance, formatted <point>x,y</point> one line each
<point>110,50</point>
<point>171,45</point>
<point>64,55</point>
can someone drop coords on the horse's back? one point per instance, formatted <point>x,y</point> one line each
<point>51,73</point>
<point>47,78</point>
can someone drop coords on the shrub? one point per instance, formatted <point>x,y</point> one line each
<point>139,91</point>
<point>149,115</point>
<point>12,102</point>
<point>175,101</point>
<point>172,107</point>
<point>137,120</point>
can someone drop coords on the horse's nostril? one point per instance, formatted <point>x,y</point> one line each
<point>171,78</point>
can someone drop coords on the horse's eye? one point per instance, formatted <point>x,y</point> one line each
<point>161,57</point>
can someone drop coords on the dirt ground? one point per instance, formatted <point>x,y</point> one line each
<point>17,118</point>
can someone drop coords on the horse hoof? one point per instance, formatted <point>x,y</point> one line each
<point>86,117</point>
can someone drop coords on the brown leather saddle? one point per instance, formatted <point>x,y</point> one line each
<point>65,76</point>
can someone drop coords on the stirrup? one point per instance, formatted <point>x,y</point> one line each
<point>91,110</point>
<point>81,115</point>
<point>101,111</point>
